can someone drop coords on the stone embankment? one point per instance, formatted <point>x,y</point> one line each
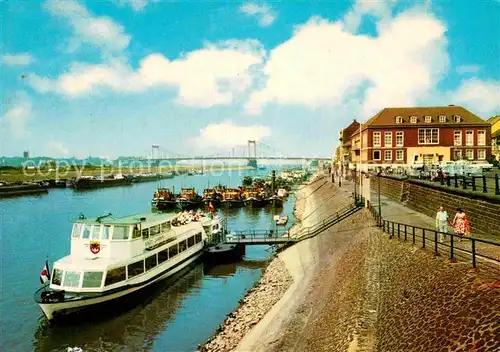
<point>257,302</point>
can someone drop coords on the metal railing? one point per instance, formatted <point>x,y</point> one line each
<point>477,251</point>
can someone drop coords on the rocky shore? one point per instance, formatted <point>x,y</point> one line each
<point>257,302</point>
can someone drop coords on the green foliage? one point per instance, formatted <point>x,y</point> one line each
<point>247,181</point>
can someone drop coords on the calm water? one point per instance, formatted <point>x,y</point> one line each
<point>179,315</point>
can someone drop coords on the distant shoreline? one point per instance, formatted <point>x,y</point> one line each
<point>17,174</point>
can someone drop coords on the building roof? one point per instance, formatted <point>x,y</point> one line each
<point>387,117</point>
<point>494,119</point>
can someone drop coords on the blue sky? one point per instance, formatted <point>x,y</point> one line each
<point>111,78</point>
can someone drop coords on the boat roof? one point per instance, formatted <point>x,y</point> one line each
<point>129,219</point>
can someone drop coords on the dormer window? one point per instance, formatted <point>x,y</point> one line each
<point>457,118</point>
<point>399,119</point>
<point>428,119</point>
<point>413,119</point>
<point>442,118</point>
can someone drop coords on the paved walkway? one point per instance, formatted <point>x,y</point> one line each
<point>488,254</point>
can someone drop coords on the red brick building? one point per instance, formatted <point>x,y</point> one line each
<point>403,136</point>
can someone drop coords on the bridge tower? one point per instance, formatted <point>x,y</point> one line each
<point>252,160</point>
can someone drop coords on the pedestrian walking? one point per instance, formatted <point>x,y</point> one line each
<point>442,223</point>
<point>461,223</point>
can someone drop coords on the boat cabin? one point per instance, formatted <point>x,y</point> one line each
<point>163,193</point>
<point>232,193</point>
<point>188,193</point>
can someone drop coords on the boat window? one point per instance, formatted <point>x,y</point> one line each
<point>77,230</point>
<point>86,231</point>
<point>57,277</point>
<point>191,241</point>
<point>136,268</point>
<point>106,231</point>
<point>71,279</point>
<point>150,262</point>
<point>165,227</point>
<point>172,251</point>
<point>96,232</point>
<point>136,233</point>
<point>145,233</point>
<point>120,233</point>
<point>115,275</point>
<point>92,279</point>
<point>162,256</point>
<point>198,237</point>
<point>154,230</point>
<point>182,246</point>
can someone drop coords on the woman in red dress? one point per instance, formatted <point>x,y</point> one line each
<point>461,223</point>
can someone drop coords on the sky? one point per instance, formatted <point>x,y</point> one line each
<point>111,78</point>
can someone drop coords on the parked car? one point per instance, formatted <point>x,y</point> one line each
<point>461,169</point>
<point>483,164</point>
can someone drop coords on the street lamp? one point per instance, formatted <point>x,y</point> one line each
<point>379,171</point>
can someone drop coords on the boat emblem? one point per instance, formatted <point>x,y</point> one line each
<point>95,246</point>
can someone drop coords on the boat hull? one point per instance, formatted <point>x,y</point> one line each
<point>254,203</point>
<point>56,310</point>
<point>93,184</point>
<point>14,191</point>
<point>274,202</point>
<point>188,204</point>
<point>224,253</point>
<point>165,204</point>
<point>233,203</point>
<point>215,202</point>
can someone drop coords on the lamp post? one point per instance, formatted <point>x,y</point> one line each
<point>379,205</point>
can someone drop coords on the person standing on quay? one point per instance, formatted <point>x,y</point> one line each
<point>442,223</point>
<point>461,223</point>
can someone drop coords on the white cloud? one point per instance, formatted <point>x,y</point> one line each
<point>211,76</point>
<point>263,13</point>
<point>481,97</point>
<point>22,59</point>
<point>57,149</point>
<point>464,69</point>
<point>381,10</point>
<point>323,65</point>
<point>226,135</point>
<point>18,114</point>
<point>137,5</point>
<point>102,32</point>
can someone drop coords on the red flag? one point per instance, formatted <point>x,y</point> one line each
<point>211,207</point>
<point>45,274</point>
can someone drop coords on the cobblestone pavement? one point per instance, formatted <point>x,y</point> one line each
<point>397,212</point>
<point>375,294</point>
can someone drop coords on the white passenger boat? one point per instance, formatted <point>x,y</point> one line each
<point>114,257</point>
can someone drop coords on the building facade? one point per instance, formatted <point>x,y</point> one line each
<point>345,158</point>
<point>404,136</point>
<point>495,136</point>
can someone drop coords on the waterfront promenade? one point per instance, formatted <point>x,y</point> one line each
<point>354,289</point>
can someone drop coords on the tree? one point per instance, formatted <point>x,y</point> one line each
<point>247,181</point>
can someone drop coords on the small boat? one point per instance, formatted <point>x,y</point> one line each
<point>281,220</point>
<point>253,198</point>
<point>113,258</point>
<point>188,199</point>
<point>163,199</point>
<point>232,198</point>
<point>274,201</point>
<point>19,189</point>
<point>224,252</point>
<point>91,182</point>
<point>211,195</point>
<point>145,177</point>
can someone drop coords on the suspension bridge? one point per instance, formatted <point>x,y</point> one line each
<point>252,152</point>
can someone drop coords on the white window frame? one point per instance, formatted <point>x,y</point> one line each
<point>387,134</point>
<point>399,119</point>
<point>457,118</point>
<point>388,152</point>
<point>483,134</point>
<point>402,134</point>
<point>413,119</point>
<point>442,118</point>
<point>471,142</point>
<point>467,151</point>
<point>479,156</point>
<point>402,155</point>
<point>379,153</point>
<point>428,119</point>
<point>379,135</point>
<point>455,142</point>
<point>428,129</point>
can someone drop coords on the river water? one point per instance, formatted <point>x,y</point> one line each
<point>178,315</point>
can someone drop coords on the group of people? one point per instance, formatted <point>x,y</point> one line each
<point>188,216</point>
<point>460,223</point>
